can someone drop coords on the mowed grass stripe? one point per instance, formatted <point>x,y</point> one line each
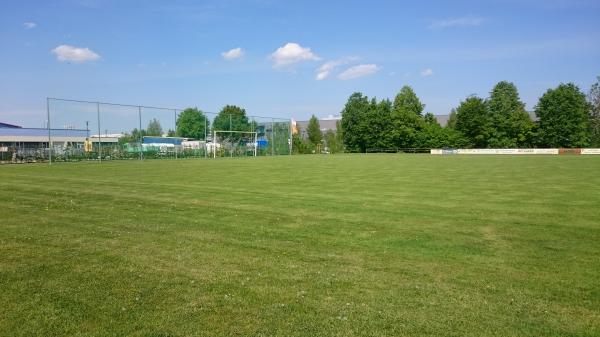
<point>311,245</point>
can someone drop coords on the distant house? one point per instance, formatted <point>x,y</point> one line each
<point>326,124</point>
<point>22,139</point>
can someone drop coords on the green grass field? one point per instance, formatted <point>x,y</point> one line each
<point>348,245</point>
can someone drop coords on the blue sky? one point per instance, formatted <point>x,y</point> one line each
<point>295,58</point>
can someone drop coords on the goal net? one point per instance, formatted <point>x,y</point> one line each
<point>233,144</point>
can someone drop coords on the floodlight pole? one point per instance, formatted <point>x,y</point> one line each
<point>205,139</point>
<point>49,136</point>
<point>99,133</point>
<point>272,137</point>
<point>214,144</point>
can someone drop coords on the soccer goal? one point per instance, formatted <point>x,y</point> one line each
<point>234,144</point>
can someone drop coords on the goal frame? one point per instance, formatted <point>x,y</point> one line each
<point>215,132</point>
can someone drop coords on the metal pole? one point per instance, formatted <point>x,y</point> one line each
<point>49,136</point>
<point>205,139</point>
<point>140,131</point>
<point>255,141</point>
<point>175,127</point>
<point>99,133</point>
<point>291,136</point>
<point>272,137</point>
<point>214,141</point>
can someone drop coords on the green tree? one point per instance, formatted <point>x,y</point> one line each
<point>339,135</point>
<point>333,142</point>
<point>192,123</point>
<point>563,115</point>
<point>314,131</point>
<point>474,122</point>
<point>299,145</point>
<point>354,121</point>
<point>154,128</point>
<point>434,136</point>
<point>231,118</point>
<point>378,125</point>
<point>406,120</point>
<point>135,136</point>
<point>407,100</point>
<point>512,125</point>
<point>594,102</point>
<point>451,119</point>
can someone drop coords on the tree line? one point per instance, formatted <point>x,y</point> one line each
<point>329,141</point>
<point>565,118</point>
<point>193,123</point>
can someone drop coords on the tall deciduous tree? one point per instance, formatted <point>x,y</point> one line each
<point>406,118</point>
<point>377,130</point>
<point>563,115</point>
<point>192,123</point>
<point>474,122</point>
<point>434,136</point>
<point>407,100</point>
<point>354,120</point>
<point>315,136</point>
<point>339,135</point>
<point>231,118</point>
<point>594,101</point>
<point>332,142</point>
<point>300,145</point>
<point>451,120</point>
<point>154,128</point>
<point>512,125</point>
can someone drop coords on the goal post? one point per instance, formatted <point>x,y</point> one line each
<point>234,143</point>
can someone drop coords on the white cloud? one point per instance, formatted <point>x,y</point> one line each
<point>66,53</point>
<point>29,25</point>
<point>327,68</point>
<point>427,72</point>
<point>292,53</point>
<point>467,21</point>
<point>359,71</point>
<point>233,54</point>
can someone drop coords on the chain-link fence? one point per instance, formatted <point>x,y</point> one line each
<point>82,130</point>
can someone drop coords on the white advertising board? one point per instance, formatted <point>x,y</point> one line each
<point>498,151</point>
<point>590,151</point>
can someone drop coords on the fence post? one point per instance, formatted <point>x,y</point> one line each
<point>291,136</point>
<point>99,133</point>
<point>49,136</point>
<point>140,132</point>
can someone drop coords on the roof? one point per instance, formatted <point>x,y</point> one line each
<point>9,126</point>
<point>41,135</point>
<point>325,124</point>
